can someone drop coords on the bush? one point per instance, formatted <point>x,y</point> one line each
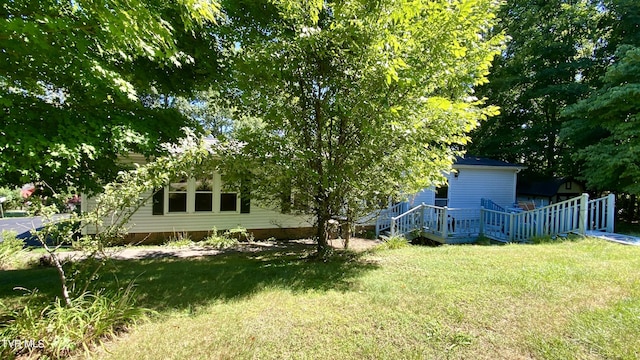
<point>179,239</point>
<point>394,242</point>
<point>57,330</point>
<point>10,249</point>
<point>14,199</point>
<point>227,239</point>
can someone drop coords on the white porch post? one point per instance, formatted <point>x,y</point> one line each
<point>392,230</point>
<point>422,218</point>
<point>611,212</point>
<point>584,211</point>
<point>445,223</point>
<point>510,237</point>
<point>481,231</point>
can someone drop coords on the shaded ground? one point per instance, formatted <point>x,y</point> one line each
<point>156,252</point>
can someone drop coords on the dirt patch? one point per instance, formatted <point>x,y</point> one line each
<point>356,244</point>
<point>153,252</point>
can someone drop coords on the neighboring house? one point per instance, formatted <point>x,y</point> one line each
<point>546,191</point>
<point>471,180</point>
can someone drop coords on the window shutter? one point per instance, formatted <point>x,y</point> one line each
<point>158,201</point>
<point>245,197</point>
<point>245,202</point>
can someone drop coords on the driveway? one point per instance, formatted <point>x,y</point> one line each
<point>23,226</point>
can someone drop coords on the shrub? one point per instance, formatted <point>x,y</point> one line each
<point>58,330</point>
<point>14,199</point>
<point>394,242</point>
<point>179,239</point>
<point>227,239</point>
<point>10,249</point>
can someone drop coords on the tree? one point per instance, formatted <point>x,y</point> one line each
<point>70,87</point>
<point>545,67</point>
<point>113,207</point>
<point>355,100</point>
<point>604,128</point>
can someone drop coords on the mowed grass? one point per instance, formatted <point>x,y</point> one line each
<point>550,301</point>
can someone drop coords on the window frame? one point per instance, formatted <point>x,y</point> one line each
<point>168,192</point>
<point>216,198</point>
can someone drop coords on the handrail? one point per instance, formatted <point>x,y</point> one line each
<point>383,220</point>
<point>406,221</point>
<point>490,205</point>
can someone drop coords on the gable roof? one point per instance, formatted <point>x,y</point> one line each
<point>469,160</point>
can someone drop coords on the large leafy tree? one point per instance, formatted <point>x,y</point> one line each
<point>604,128</point>
<point>76,78</point>
<point>355,99</point>
<point>546,66</point>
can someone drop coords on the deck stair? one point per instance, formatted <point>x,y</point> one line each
<point>448,225</point>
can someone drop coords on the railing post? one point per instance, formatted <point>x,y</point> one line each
<point>392,229</point>
<point>422,218</point>
<point>611,212</point>
<point>481,231</point>
<point>584,211</point>
<point>510,236</point>
<point>445,224</point>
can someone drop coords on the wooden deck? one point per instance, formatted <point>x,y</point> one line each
<point>455,226</point>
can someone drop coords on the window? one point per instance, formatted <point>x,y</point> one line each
<point>193,196</point>
<point>228,202</point>
<point>442,196</point>
<point>177,193</point>
<point>204,195</point>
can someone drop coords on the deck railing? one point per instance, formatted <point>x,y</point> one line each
<point>440,221</point>
<point>408,221</point>
<point>560,218</point>
<point>601,214</point>
<point>383,221</point>
<point>575,215</point>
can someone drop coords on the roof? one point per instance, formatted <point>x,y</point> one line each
<point>470,160</point>
<point>540,187</point>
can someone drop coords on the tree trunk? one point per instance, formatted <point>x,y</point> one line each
<point>63,278</point>
<point>322,231</point>
<point>347,236</point>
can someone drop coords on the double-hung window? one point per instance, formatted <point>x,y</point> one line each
<point>203,195</point>
<point>177,195</point>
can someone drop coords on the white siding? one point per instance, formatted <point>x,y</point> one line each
<point>475,183</point>
<point>427,196</point>
<point>143,221</point>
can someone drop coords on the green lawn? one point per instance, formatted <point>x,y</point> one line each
<point>553,301</point>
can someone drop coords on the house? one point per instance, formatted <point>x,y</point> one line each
<point>196,206</point>
<point>480,200</point>
<point>471,180</point>
<point>546,191</point>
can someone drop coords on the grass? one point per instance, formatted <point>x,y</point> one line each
<point>573,299</point>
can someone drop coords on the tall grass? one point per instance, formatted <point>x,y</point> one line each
<point>11,250</point>
<point>57,330</point>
